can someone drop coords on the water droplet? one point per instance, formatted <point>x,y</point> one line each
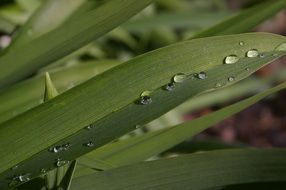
<point>231,59</point>
<point>15,167</point>
<point>89,144</point>
<point>58,149</point>
<point>22,177</point>
<point>170,86</point>
<point>247,69</point>
<point>231,79</point>
<point>281,47</point>
<point>138,126</point>
<point>44,170</point>
<point>179,78</point>
<point>60,162</point>
<point>252,53</point>
<point>89,127</point>
<point>217,85</point>
<point>241,43</point>
<point>262,55</point>
<point>145,98</point>
<point>202,75</point>
<point>66,146</point>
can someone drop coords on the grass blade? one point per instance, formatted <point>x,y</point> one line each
<point>246,20</point>
<point>143,147</point>
<point>58,43</point>
<point>194,171</point>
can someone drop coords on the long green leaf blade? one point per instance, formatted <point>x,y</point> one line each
<point>58,43</point>
<point>244,21</point>
<point>193,172</point>
<point>143,147</point>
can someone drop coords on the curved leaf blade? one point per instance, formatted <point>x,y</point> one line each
<point>195,171</point>
<point>106,106</point>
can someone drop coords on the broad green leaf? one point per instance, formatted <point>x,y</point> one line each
<point>108,100</point>
<point>206,170</point>
<point>58,43</point>
<point>143,147</point>
<point>246,20</point>
<point>29,5</point>
<point>14,101</point>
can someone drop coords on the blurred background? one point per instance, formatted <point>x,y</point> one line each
<point>159,25</point>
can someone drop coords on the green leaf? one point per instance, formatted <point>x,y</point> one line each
<point>108,100</point>
<point>58,43</point>
<point>66,181</point>
<point>50,89</point>
<point>14,101</point>
<point>49,15</point>
<point>195,171</point>
<point>246,20</point>
<point>143,147</point>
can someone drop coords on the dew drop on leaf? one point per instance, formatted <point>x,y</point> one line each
<point>252,53</point>
<point>89,127</point>
<point>202,75</point>
<point>169,87</point>
<point>261,55</point>
<point>247,69</point>
<point>145,98</point>
<point>22,178</point>
<point>44,170</point>
<point>179,78</point>
<point>230,79</point>
<point>241,43</point>
<point>281,47</point>
<point>60,162</point>
<point>231,59</point>
<point>88,144</point>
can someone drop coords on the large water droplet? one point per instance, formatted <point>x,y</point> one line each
<point>89,144</point>
<point>281,47</point>
<point>247,69</point>
<point>241,43</point>
<point>145,98</point>
<point>60,162</point>
<point>252,53</point>
<point>231,79</point>
<point>22,178</point>
<point>180,77</point>
<point>202,75</point>
<point>231,59</point>
<point>169,87</point>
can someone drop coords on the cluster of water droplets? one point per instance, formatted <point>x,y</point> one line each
<point>60,162</point>
<point>22,178</point>
<point>60,148</point>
